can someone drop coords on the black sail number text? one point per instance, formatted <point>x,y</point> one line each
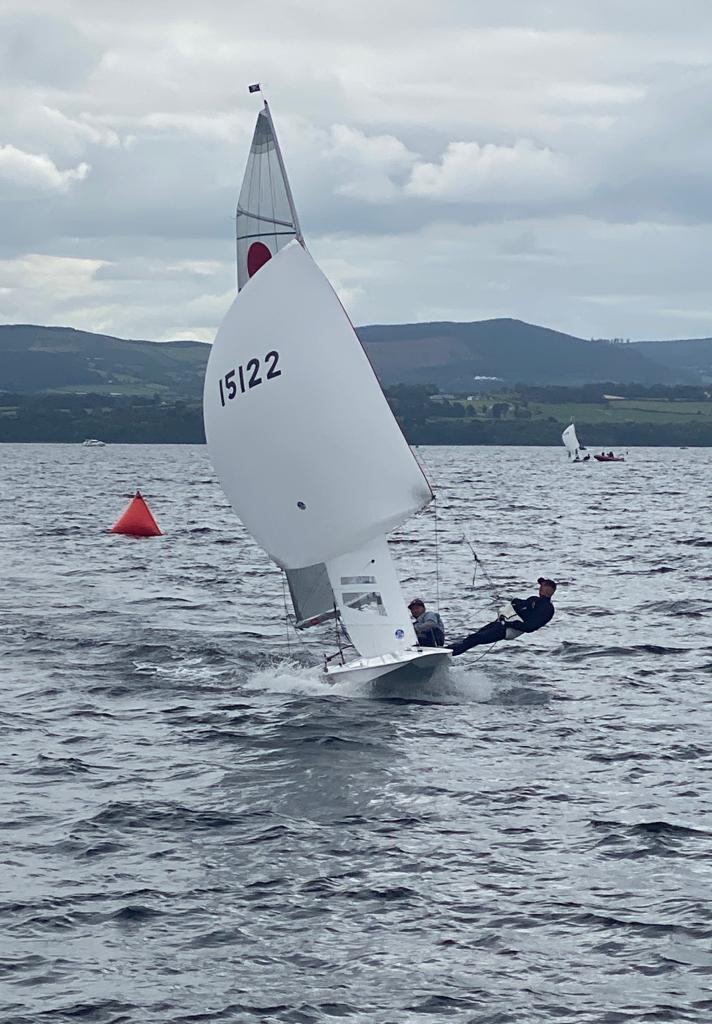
<point>243,378</point>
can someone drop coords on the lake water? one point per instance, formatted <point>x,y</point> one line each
<point>195,827</point>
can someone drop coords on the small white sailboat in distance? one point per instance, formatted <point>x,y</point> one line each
<point>576,451</point>
<point>302,439</point>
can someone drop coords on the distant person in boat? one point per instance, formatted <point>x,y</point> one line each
<point>522,616</point>
<point>428,626</point>
<point>611,455</point>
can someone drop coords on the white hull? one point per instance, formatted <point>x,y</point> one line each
<point>415,666</point>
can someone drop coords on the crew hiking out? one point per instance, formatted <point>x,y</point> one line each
<point>518,617</point>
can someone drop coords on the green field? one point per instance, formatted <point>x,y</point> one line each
<point>115,390</point>
<point>631,410</point>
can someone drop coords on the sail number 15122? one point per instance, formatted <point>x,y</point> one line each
<point>242,378</point>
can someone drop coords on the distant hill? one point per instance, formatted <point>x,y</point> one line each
<point>59,358</point>
<point>693,355</point>
<point>448,355</point>
<point>452,355</point>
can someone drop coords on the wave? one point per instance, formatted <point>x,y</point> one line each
<point>582,652</point>
<point>457,685</point>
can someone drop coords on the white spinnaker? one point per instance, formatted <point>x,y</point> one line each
<point>310,456</point>
<point>571,441</point>
<point>266,220</point>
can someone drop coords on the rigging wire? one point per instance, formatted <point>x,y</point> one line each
<point>290,621</point>
<point>286,611</point>
<point>436,521</point>
<point>437,552</point>
<point>337,630</point>
<point>483,655</point>
<point>478,563</point>
<point>494,593</point>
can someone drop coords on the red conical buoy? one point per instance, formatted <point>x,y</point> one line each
<point>137,520</point>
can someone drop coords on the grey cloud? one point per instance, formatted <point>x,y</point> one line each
<point>606,16</point>
<point>579,276</point>
<point>38,47</point>
<point>143,268</point>
<point>619,102</point>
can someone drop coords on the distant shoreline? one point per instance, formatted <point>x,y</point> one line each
<point>592,449</point>
<point>630,416</point>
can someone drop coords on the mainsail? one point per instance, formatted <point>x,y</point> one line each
<point>308,451</point>
<point>266,219</point>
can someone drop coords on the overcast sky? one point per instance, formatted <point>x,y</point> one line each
<point>549,160</point>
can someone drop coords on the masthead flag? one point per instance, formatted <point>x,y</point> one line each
<point>255,87</point>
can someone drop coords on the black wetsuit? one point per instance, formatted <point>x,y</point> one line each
<point>534,612</point>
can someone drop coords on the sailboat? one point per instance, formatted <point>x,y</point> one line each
<point>303,441</point>
<point>576,451</point>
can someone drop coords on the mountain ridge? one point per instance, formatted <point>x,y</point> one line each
<point>511,350</point>
<point>450,355</point>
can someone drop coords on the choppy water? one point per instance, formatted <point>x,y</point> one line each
<point>196,828</point>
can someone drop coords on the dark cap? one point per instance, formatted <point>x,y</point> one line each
<point>417,600</point>
<point>549,583</point>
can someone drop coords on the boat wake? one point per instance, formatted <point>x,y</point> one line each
<point>288,677</point>
<point>455,685</point>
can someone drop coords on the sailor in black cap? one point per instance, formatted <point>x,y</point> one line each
<point>517,617</point>
<point>428,626</point>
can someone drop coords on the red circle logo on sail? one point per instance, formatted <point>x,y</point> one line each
<point>257,256</point>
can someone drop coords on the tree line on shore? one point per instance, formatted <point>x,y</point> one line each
<point>518,417</point>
